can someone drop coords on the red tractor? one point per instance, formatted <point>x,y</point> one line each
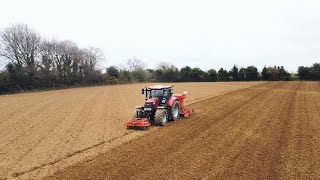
<point>161,106</point>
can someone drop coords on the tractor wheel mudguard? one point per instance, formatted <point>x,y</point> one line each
<point>171,100</point>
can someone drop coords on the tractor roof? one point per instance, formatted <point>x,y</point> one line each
<point>160,87</point>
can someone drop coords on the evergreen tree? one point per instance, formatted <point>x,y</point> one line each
<point>223,75</point>
<point>234,73</point>
<point>264,74</point>
<point>212,75</point>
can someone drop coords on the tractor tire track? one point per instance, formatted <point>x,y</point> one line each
<point>17,174</point>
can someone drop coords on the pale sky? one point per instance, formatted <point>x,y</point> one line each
<point>205,34</point>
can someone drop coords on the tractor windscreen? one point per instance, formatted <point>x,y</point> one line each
<point>160,93</point>
<point>156,93</point>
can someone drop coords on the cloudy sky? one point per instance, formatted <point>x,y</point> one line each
<point>205,34</point>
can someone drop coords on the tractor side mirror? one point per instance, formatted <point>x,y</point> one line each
<point>142,91</point>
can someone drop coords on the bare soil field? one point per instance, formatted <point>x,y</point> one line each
<point>44,132</point>
<point>271,131</point>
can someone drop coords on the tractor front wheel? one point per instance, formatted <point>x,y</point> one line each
<point>135,114</point>
<point>161,117</point>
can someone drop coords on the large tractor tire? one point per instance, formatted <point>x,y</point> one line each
<point>174,111</point>
<point>161,117</point>
<point>136,112</point>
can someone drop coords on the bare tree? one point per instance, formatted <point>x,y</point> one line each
<point>21,45</point>
<point>70,63</point>
<point>48,49</point>
<point>135,64</point>
<point>3,60</point>
<point>166,66</point>
<point>137,69</point>
<point>93,56</point>
<point>56,55</point>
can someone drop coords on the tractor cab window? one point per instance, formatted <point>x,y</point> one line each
<point>167,93</point>
<point>156,93</point>
<point>161,93</point>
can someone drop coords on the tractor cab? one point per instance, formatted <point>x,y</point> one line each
<point>163,94</point>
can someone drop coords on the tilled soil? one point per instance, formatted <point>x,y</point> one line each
<point>43,132</point>
<point>267,132</point>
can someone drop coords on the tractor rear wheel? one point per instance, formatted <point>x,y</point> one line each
<point>161,117</point>
<point>174,111</point>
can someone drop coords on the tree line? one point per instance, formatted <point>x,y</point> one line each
<point>166,72</point>
<point>33,62</point>
<point>169,73</point>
